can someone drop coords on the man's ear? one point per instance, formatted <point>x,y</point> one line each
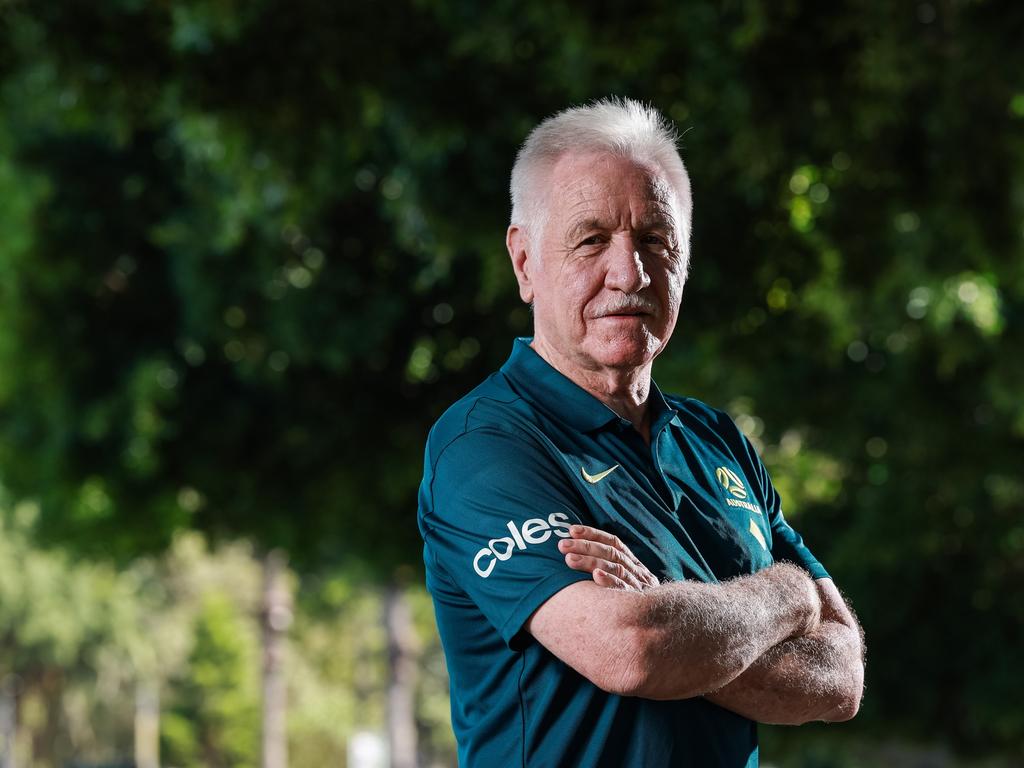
<point>523,261</point>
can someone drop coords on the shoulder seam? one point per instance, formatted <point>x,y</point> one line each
<point>466,428</point>
<point>465,431</point>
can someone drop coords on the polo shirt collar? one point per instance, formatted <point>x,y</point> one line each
<point>551,391</point>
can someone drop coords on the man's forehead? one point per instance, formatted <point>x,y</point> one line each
<point>592,188</point>
<point>593,180</point>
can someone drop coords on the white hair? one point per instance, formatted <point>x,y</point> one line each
<point>621,127</point>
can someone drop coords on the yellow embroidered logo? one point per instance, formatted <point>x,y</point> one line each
<point>599,476</point>
<point>731,482</point>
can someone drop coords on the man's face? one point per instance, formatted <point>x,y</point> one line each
<point>606,275</point>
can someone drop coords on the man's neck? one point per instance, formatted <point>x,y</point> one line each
<point>624,390</point>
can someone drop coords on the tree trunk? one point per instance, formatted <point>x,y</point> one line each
<point>147,724</point>
<point>277,617</point>
<point>401,680</point>
<point>8,721</point>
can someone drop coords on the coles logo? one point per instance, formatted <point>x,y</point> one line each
<point>536,530</point>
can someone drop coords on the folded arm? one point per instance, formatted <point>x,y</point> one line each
<point>815,674</point>
<point>676,640</point>
<point>819,676</point>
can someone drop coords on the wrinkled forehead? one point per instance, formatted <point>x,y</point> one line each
<point>598,184</point>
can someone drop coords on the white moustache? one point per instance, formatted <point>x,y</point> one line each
<point>629,304</point>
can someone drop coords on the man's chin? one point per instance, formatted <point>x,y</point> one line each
<point>626,353</point>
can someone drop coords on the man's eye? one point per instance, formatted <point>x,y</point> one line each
<point>651,239</point>
<point>592,240</point>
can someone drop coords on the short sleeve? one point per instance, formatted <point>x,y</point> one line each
<point>787,544</point>
<point>494,510</point>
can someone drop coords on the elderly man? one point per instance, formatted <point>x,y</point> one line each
<point>613,578</point>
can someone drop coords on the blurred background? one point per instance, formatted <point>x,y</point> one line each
<point>250,251</point>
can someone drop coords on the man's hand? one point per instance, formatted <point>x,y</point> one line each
<point>667,641</point>
<point>605,557</point>
<point>816,676</point>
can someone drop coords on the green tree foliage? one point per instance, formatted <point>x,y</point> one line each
<point>338,671</point>
<point>249,252</point>
<point>69,634</point>
<point>77,638</point>
<point>215,720</point>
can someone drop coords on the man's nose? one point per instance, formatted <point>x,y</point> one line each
<point>626,269</point>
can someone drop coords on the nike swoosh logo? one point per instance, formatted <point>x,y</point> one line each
<point>599,476</point>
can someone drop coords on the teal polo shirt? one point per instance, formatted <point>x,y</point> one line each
<point>507,469</point>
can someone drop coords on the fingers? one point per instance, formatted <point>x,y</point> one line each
<point>596,545</point>
<point>589,533</point>
<point>616,571</point>
<point>605,579</point>
<point>593,549</point>
<point>608,560</point>
<point>596,534</point>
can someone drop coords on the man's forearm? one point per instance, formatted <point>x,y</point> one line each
<point>699,637</point>
<point>819,676</point>
<point>676,640</point>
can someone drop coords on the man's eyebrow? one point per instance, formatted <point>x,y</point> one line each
<point>656,220</point>
<point>582,226</point>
